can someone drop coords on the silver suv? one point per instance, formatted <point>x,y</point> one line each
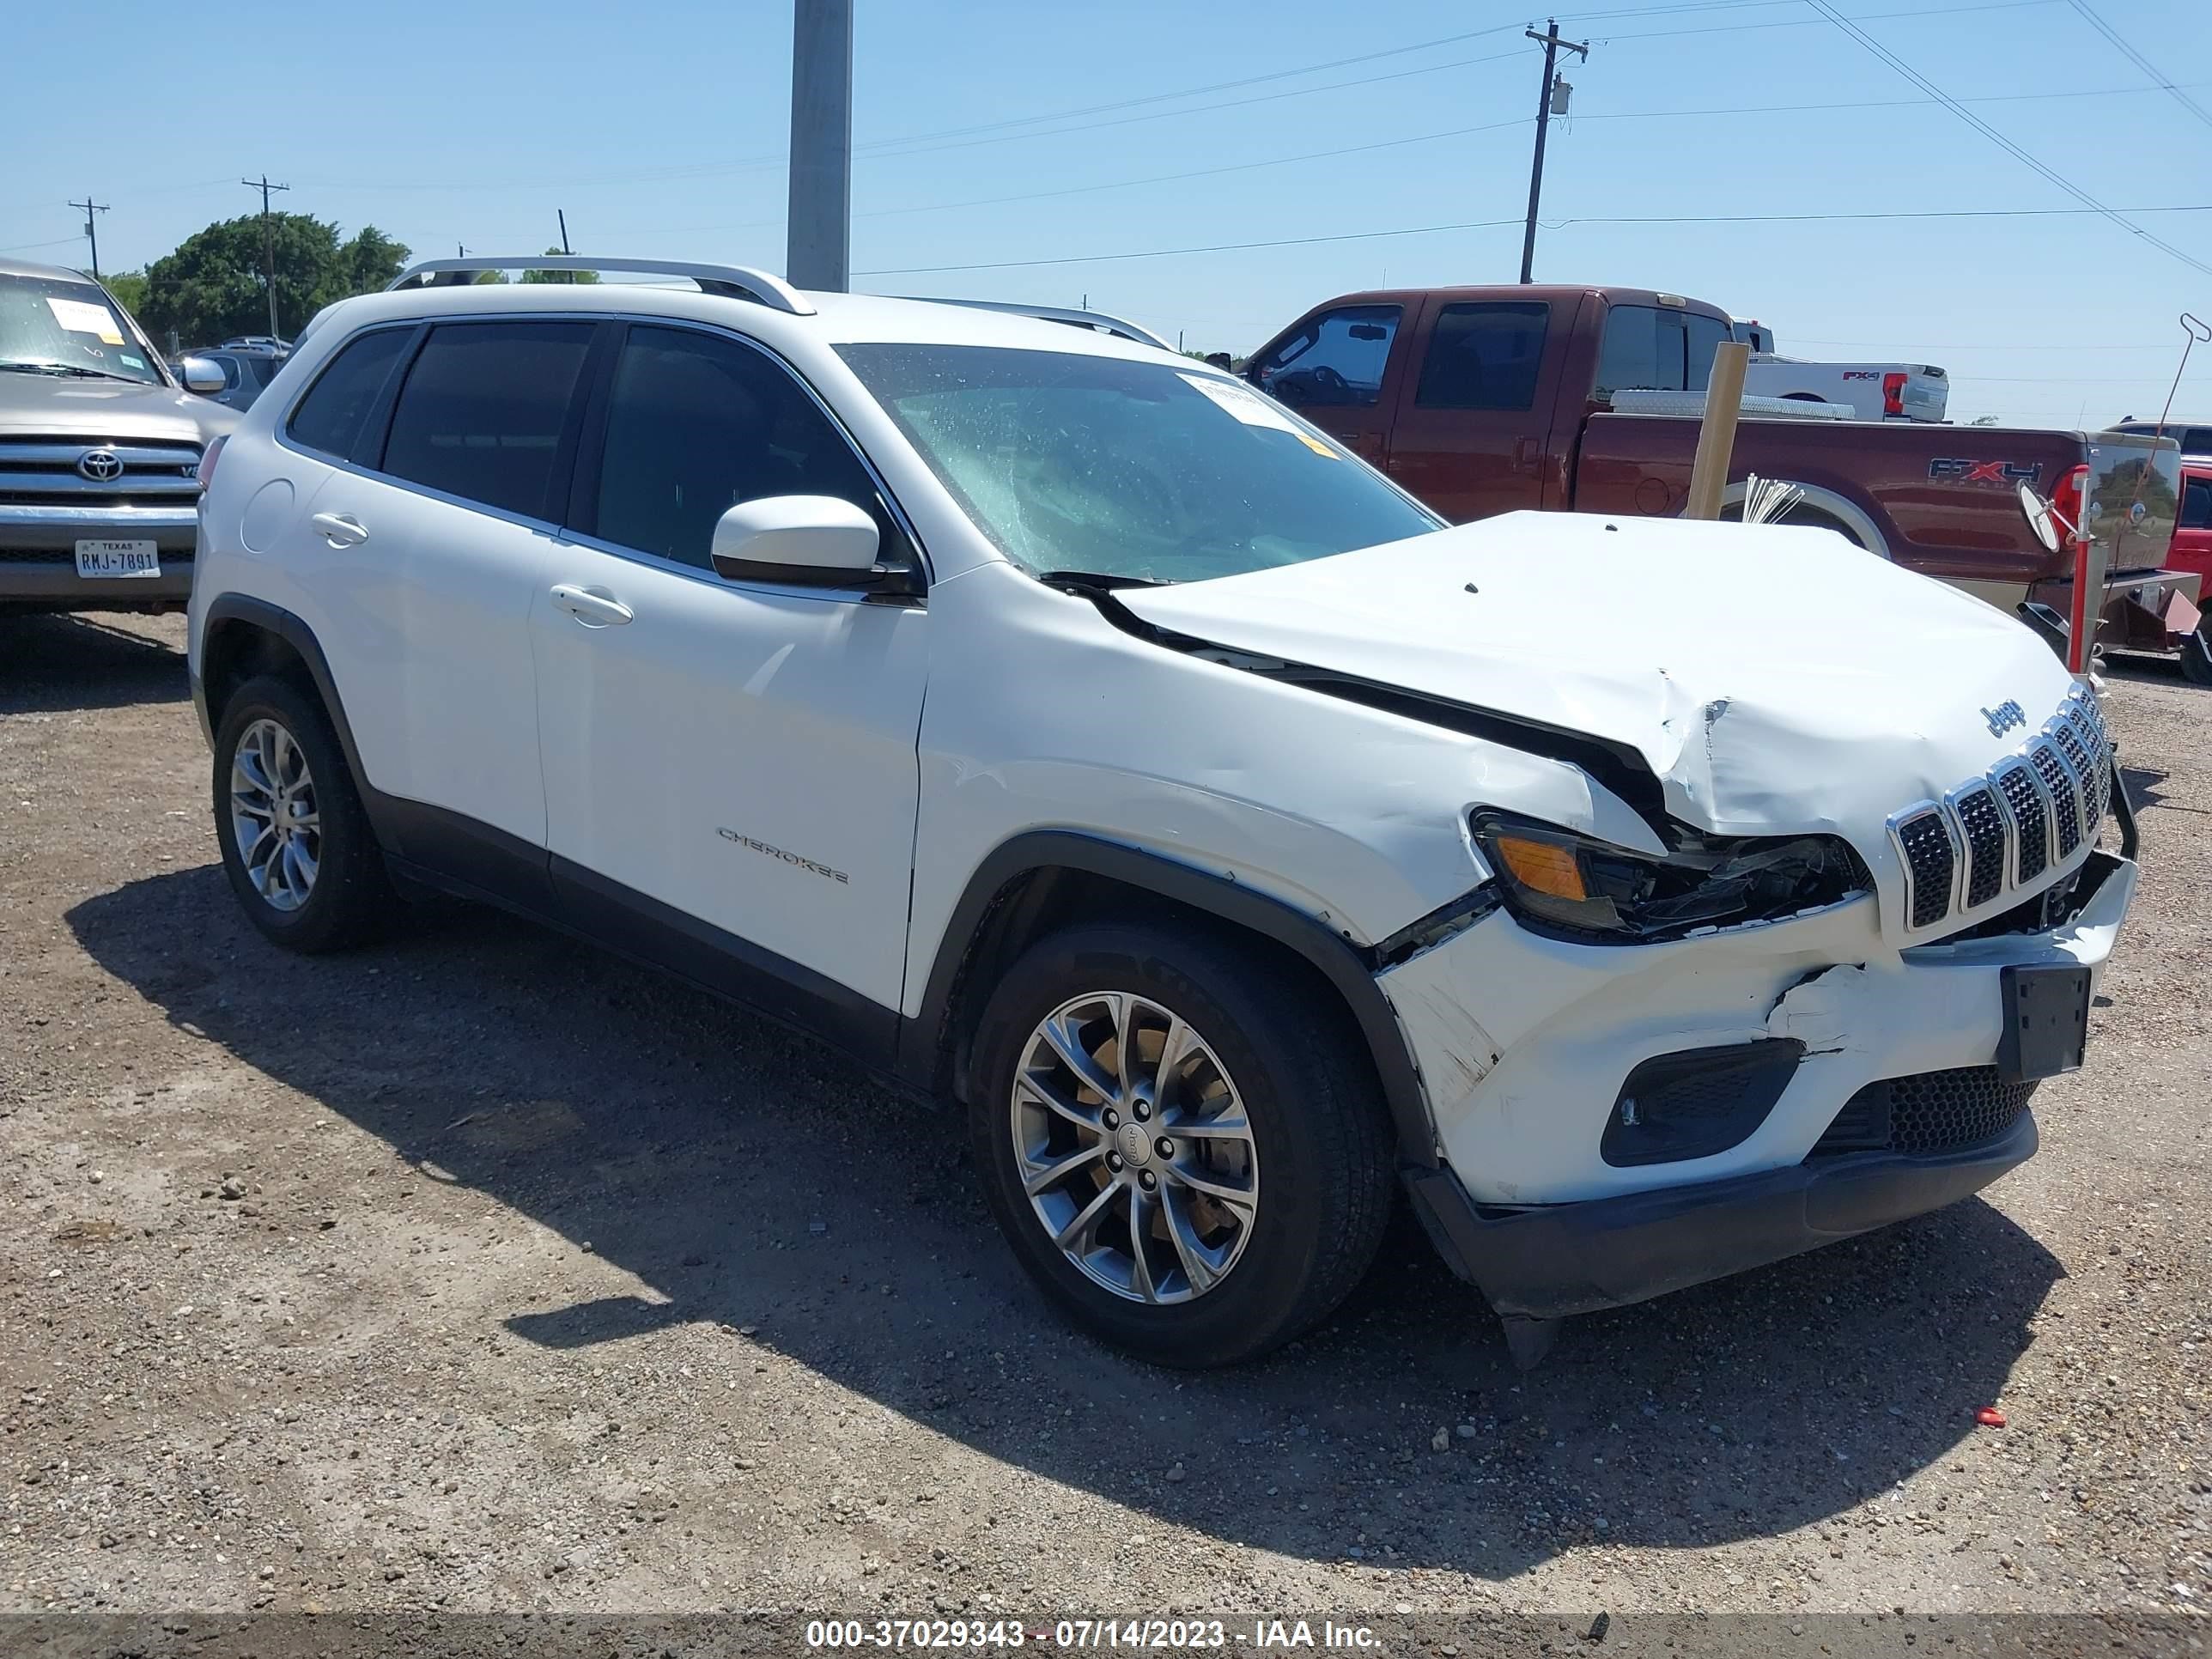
<point>99,451</point>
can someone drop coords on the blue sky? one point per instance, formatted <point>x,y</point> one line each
<point>660,129</point>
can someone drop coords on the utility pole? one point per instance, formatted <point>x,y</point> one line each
<point>268,244</point>
<point>1553,43</point>
<point>819,222</point>
<point>92,233</point>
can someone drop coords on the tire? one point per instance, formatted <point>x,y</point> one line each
<point>1808,518</point>
<point>345,895</point>
<point>2196,658</point>
<point>1226,1284</point>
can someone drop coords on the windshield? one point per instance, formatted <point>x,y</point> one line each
<point>64,326</point>
<point>1070,462</point>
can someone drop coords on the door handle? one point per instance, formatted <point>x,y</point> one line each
<point>1527,454</point>
<point>340,529</point>
<point>594,607</point>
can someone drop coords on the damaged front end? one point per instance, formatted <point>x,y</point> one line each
<point>1584,890</point>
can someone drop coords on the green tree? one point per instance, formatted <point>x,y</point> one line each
<point>560,275</point>
<point>214,284</point>
<point>129,287</point>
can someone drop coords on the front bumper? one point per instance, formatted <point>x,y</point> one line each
<point>37,555</point>
<point>1524,1047</point>
<point>1576,1258</point>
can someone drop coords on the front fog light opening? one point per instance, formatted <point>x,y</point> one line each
<point>1696,1101</point>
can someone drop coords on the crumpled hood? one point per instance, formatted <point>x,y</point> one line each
<point>110,410</point>
<point>1775,680</point>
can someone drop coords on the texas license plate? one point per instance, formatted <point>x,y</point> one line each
<point>2047,1015</point>
<point>117,559</point>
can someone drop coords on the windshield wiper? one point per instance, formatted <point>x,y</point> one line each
<point>65,369</point>
<point>1098,581</point>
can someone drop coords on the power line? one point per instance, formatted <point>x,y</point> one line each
<point>1678,7</point>
<point>1807,22</point>
<point>923,145</point>
<point>1996,138</point>
<point>2157,76</point>
<point>1492,224</point>
<point>1197,173</point>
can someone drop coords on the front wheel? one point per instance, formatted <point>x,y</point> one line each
<point>1181,1141</point>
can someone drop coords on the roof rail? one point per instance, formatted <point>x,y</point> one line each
<point>732,282</point>
<point>1098,321</point>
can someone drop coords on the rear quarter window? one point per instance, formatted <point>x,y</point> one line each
<point>330,418</point>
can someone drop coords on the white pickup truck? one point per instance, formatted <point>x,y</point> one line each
<point>1872,392</point>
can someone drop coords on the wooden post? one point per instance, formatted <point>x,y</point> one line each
<point>1717,434</point>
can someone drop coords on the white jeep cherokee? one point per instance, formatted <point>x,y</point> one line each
<point>1059,727</point>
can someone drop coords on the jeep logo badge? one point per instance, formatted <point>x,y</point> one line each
<point>2003,717</point>
<point>100,465</point>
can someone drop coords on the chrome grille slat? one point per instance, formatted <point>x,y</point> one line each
<point>31,486</point>
<point>2030,813</point>
<point>41,471</point>
<point>64,453</point>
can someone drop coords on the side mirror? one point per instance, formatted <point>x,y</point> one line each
<point>201,375</point>
<point>796,539</point>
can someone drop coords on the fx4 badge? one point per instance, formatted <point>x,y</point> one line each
<point>821,870</point>
<point>2004,717</point>
<point>1959,469</point>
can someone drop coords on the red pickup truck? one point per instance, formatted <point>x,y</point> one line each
<point>1480,400</point>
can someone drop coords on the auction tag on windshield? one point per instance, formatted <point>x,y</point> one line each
<point>1254,409</point>
<point>80,318</point>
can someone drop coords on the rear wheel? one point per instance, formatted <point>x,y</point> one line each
<point>1182,1142</point>
<point>296,844</point>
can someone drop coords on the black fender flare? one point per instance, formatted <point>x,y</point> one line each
<point>295,632</point>
<point>1349,969</point>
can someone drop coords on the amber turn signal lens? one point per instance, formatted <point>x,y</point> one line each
<point>1542,868</point>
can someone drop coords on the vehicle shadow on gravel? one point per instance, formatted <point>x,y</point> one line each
<point>751,1180</point>
<point>49,663</point>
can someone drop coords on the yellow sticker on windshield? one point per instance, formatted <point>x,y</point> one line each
<point>1316,445</point>
<point>79,317</point>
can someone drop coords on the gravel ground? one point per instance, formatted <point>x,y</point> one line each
<point>482,1271</point>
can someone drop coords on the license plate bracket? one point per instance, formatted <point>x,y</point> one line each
<point>2046,1021</point>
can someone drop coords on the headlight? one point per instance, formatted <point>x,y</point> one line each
<point>1561,883</point>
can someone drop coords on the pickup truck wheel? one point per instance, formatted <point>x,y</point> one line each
<point>2197,657</point>
<point>296,844</point>
<point>1807,517</point>
<point>1182,1143</point>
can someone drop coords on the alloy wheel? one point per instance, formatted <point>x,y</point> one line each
<point>1134,1148</point>
<point>274,821</point>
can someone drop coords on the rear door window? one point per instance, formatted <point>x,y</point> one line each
<point>1335,361</point>
<point>482,411</point>
<point>2196,504</point>
<point>330,418</point>
<point>1658,349</point>
<point>1484,357</point>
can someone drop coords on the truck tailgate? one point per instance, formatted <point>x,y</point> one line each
<point>2134,493</point>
